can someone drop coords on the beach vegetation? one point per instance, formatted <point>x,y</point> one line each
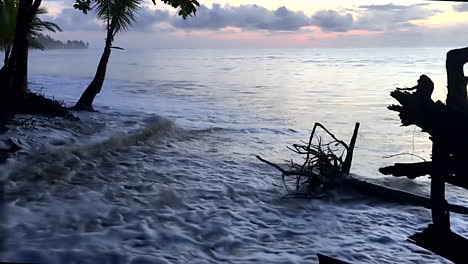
<point>19,25</point>
<point>118,16</point>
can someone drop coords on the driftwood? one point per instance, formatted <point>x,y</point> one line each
<point>308,176</point>
<point>414,170</point>
<point>322,167</point>
<point>449,245</point>
<point>323,259</point>
<point>447,125</point>
<point>397,196</point>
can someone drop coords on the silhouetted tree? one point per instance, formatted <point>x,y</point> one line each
<point>46,42</point>
<point>118,16</point>
<point>14,77</point>
<point>19,24</point>
<point>8,12</point>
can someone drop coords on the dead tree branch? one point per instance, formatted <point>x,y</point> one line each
<point>321,168</point>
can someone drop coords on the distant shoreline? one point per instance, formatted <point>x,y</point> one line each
<point>46,42</point>
<point>64,48</point>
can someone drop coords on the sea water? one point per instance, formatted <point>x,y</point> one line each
<point>165,171</point>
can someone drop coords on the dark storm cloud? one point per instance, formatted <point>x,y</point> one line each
<point>463,7</point>
<point>249,17</point>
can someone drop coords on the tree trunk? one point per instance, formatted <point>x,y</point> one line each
<point>86,100</point>
<point>447,125</point>
<point>15,74</point>
<point>20,73</point>
<point>456,80</point>
<point>441,152</point>
<point>350,150</point>
<point>440,212</point>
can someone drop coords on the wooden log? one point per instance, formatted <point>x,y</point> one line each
<point>350,150</point>
<point>448,244</point>
<point>439,171</point>
<point>418,169</point>
<point>379,191</point>
<point>323,259</point>
<point>397,196</point>
<point>411,170</point>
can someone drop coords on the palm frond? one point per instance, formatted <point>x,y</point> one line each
<point>123,14</point>
<point>119,14</point>
<point>101,9</point>
<point>8,13</point>
<point>41,11</point>
<point>39,25</point>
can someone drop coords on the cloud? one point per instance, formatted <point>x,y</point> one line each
<point>418,36</point>
<point>248,17</point>
<point>71,19</point>
<point>146,19</point>
<point>254,17</point>
<point>372,17</point>
<point>391,17</point>
<point>332,21</point>
<point>463,7</point>
<point>387,24</point>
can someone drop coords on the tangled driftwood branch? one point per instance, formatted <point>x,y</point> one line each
<point>323,165</point>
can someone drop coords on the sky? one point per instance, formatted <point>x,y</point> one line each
<point>278,24</point>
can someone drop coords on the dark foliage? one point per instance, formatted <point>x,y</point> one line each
<point>49,43</point>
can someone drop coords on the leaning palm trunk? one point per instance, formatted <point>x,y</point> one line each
<point>118,15</point>
<point>86,100</point>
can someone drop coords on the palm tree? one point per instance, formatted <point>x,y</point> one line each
<point>118,16</point>
<point>8,15</point>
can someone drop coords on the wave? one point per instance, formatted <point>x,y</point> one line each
<point>50,160</point>
<point>250,130</point>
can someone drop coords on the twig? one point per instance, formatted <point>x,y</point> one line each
<point>283,171</point>
<point>402,154</point>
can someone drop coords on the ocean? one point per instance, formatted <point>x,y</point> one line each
<point>165,171</point>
